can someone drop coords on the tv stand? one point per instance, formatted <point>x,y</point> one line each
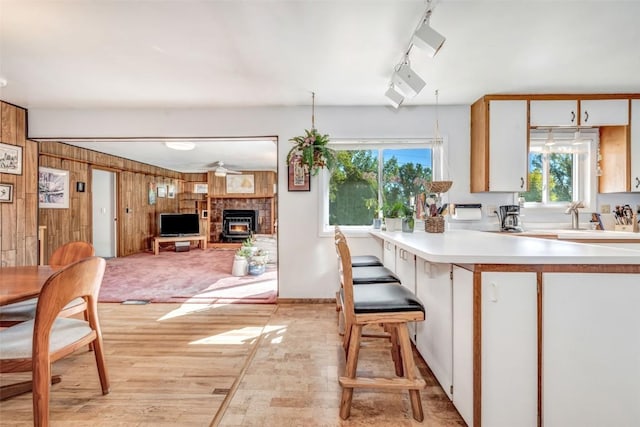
<point>201,240</point>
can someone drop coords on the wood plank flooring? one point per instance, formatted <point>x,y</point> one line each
<point>229,365</point>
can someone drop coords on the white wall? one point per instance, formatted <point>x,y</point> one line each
<point>307,262</point>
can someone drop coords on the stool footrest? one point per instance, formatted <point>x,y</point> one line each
<point>384,383</point>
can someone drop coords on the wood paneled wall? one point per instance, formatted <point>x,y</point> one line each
<point>136,217</point>
<point>19,219</point>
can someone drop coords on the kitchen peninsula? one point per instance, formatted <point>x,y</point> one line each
<point>525,331</point>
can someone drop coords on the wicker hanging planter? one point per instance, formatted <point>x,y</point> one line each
<point>437,187</point>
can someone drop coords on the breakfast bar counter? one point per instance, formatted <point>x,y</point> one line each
<point>525,331</point>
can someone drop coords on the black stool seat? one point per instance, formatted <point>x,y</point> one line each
<point>365,261</point>
<point>367,275</point>
<point>382,298</point>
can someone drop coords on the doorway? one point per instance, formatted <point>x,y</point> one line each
<point>103,198</point>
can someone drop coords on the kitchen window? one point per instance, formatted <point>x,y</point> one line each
<point>562,168</point>
<point>371,175</point>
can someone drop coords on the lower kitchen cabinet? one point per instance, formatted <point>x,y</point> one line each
<point>462,310</point>
<point>434,336</point>
<point>406,272</point>
<point>389,255</point>
<point>591,366</point>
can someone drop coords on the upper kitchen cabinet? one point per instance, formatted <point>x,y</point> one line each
<point>574,112</point>
<point>604,112</point>
<point>554,113</point>
<point>499,145</point>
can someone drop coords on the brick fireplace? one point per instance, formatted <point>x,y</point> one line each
<point>263,208</point>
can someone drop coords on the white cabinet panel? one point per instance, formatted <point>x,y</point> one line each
<point>508,151</point>
<point>553,113</point>
<point>389,255</point>
<point>604,112</point>
<point>435,335</point>
<point>635,145</point>
<point>591,363</point>
<point>509,353</point>
<point>406,272</point>
<point>463,343</point>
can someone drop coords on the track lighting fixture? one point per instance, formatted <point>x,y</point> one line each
<point>427,38</point>
<point>406,80</point>
<point>394,97</point>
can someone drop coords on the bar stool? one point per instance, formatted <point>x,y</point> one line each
<point>390,306</point>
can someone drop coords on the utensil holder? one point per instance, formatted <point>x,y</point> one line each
<point>434,224</point>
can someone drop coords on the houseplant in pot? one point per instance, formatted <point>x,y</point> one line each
<point>240,262</point>
<point>393,216</point>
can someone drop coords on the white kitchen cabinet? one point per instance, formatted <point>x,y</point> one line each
<point>591,363</point>
<point>593,112</point>
<point>435,335</point>
<point>635,145</point>
<point>389,255</point>
<point>463,343</point>
<point>509,349</point>
<point>406,272</point>
<point>508,150</point>
<point>604,112</point>
<point>553,113</point>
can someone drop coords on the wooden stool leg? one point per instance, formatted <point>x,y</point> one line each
<point>396,355</point>
<point>410,370</point>
<point>350,370</point>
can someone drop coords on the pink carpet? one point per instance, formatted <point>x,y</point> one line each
<point>197,276</point>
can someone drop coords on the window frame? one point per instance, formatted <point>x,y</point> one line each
<point>438,159</point>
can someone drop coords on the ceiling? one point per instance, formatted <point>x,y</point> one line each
<point>215,53</point>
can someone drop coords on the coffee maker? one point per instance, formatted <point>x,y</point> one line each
<point>509,218</point>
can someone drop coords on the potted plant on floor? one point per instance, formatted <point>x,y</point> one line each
<point>240,262</point>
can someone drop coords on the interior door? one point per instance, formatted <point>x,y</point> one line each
<point>103,196</point>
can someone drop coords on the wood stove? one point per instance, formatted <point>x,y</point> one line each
<point>238,224</point>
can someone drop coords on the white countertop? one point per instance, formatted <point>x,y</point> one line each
<point>477,247</point>
<point>564,234</point>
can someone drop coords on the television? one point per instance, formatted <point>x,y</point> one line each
<point>179,224</point>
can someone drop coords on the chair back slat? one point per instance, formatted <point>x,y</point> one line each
<point>346,274</point>
<point>71,252</point>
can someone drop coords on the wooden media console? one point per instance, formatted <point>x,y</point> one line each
<point>201,240</point>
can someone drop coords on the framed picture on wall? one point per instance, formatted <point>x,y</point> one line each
<point>152,193</point>
<point>53,188</point>
<point>200,188</point>
<point>162,190</point>
<point>241,184</point>
<point>10,159</point>
<point>6,193</point>
<point>171,191</point>
<point>299,179</point>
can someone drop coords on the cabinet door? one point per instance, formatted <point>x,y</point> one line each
<point>389,255</point>
<point>605,112</point>
<point>553,113</point>
<point>434,336</point>
<point>509,349</point>
<point>406,271</point>
<point>508,146</point>
<point>463,343</point>
<point>635,145</point>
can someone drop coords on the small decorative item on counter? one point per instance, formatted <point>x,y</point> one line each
<point>432,208</point>
<point>434,224</point>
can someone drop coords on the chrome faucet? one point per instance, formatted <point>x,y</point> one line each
<point>573,211</point>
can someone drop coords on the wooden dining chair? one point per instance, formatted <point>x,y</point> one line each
<point>66,254</point>
<point>392,307</point>
<point>36,344</point>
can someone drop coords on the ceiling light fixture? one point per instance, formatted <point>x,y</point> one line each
<point>220,172</point>
<point>404,79</point>
<point>180,145</point>
<point>395,98</point>
<point>427,38</point>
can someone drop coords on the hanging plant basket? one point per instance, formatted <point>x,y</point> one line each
<point>437,186</point>
<point>311,149</point>
<point>312,152</point>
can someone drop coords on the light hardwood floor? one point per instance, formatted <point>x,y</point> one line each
<point>230,365</point>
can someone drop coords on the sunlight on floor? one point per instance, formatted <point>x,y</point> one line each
<point>186,309</point>
<point>242,336</point>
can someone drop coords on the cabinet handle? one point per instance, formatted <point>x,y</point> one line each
<point>573,116</point>
<point>586,116</point>
<point>637,182</point>
<point>521,182</point>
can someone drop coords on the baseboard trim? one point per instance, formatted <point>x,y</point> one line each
<point>306,301</point>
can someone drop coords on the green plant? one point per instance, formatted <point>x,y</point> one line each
<point>312,151</point>
<point>248,242</point>
<point>244,251</point>
<point>395,210</point>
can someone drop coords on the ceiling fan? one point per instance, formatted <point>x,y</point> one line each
<point>220,170</point>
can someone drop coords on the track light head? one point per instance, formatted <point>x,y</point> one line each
<point>427,38</point>
<point>395,98</point>
<point>407,81</point>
